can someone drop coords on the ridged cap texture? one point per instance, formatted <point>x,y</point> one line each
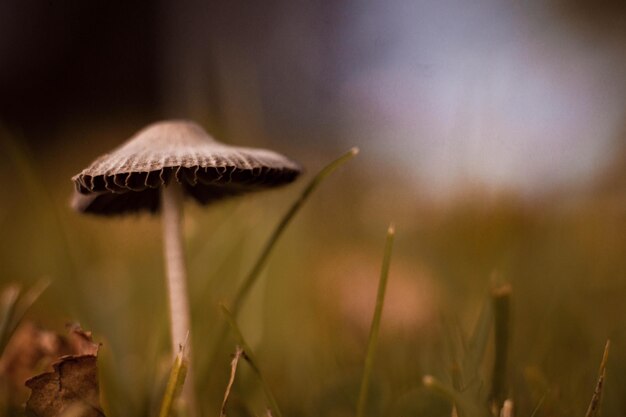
<point>128,179</point>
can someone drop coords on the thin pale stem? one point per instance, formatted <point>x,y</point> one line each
<point>176,272</point>
<point>172,199</point>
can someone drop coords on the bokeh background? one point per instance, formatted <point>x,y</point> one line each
<point>491,133</point>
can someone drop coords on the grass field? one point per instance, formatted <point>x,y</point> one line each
<point>547,274</point>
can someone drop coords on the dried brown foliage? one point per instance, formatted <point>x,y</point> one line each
<point>71,388</point>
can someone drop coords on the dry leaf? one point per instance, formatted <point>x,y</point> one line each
<point>74,382</point>
<point>81,342</point>
<point>72,386</point>
<point>30,350</point>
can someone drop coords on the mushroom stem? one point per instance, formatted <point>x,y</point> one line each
<point>172,209</point>
<point>176,272</point>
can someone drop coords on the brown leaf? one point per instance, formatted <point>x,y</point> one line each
<point>73,382</point>
<point>81,341</point>
<point>30,350</point>
<point>72,386</point>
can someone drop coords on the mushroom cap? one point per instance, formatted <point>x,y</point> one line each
<point>129,178</point>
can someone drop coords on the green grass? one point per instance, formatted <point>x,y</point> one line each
<point>596,400</point>
<point>248,355</point>
<point>256,270</point>
<point>309,327</point>
<point>375,328</point>
<point>174,385</point>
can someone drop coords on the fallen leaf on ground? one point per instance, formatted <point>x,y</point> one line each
<point>31,350</point>
<point>74,382</point>
<point>72,386</point>
<point>81,342</point>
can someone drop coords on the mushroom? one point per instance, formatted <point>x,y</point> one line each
<point>159,166</point>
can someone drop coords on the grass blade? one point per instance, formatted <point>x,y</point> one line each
<point>14,303</point>
<point>26,300</point>
<point>8,301</point>
<point>477,344</point>
<point>257,268</point>
<point>501,298</point>
<point>249,357</point>
<point>175,384</point>
<point>439,387</point>
<point>596,398</point>
<point>378,312</point>
<point>45,207</point>
<point>461,405</point>
<point>538,406</point>
<point>233,370</point>
<point>284,222</point>
<point>455,370</point>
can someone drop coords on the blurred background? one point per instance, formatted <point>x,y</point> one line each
<point>491,133</point>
